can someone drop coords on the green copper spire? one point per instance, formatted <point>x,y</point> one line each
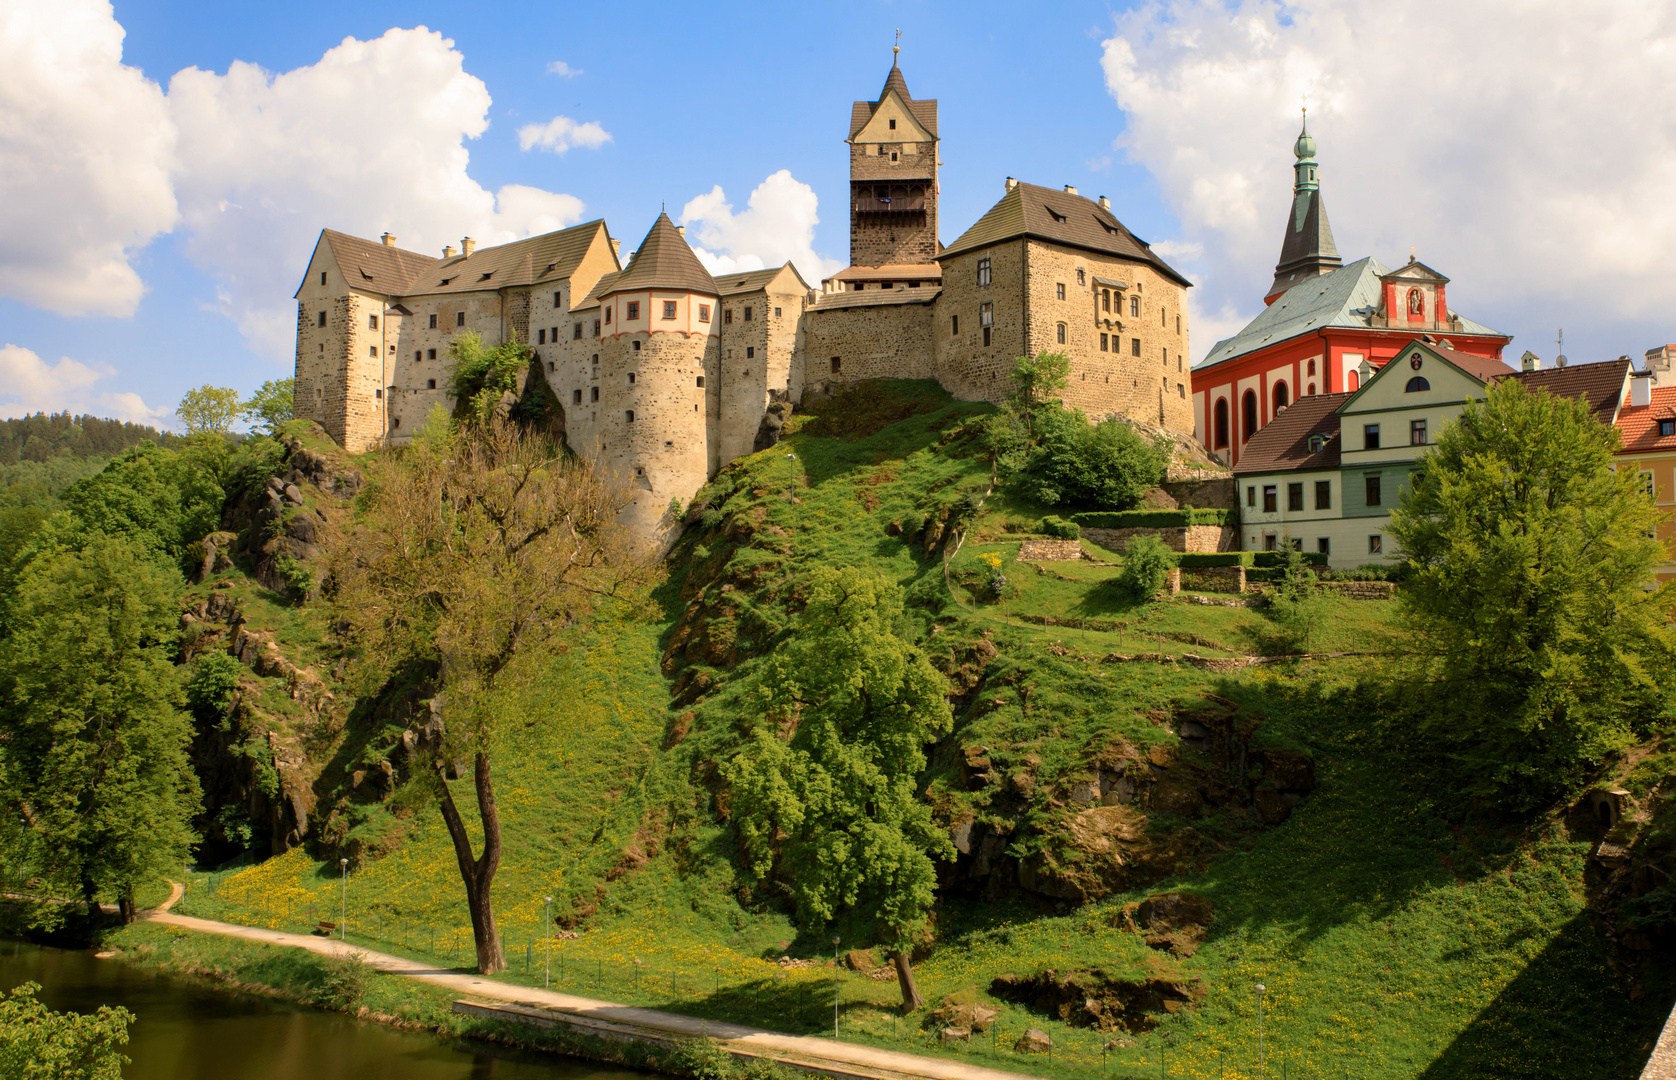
<point>1304,151</point>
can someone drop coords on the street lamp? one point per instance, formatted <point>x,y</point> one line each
<point>835,986</point>
<point>791,482</point>
<point>547,935</point>
<point>1261,989</point>
<point>343,910</point>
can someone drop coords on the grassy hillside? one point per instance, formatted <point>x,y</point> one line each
<point>1394,940</point>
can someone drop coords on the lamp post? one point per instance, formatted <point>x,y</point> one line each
<point>1260,991</point>
<point>835,985</point>
<point>791,481</point>
<point>547,936</point>
<point>343,909</point>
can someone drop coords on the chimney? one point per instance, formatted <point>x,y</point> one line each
<point>1640,389</point>
<point>1530,362</point>
<point>448,252</point>
<point>1011,183</point>
<point>617,250</point>
<point>389,240</point>
<point>1070,190</point>
<point>681,231</point>
<point>1105,203</point>
<point>467,246</point>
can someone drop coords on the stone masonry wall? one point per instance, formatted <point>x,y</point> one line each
<point>1049,551</point>
<point>967,368</point>
<point>663,452</point>
<point>880,239</point>
<point>881,341</point>
<point>1197,539</point>
<point>742,376</point>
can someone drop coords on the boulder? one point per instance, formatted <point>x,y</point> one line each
<point>1033,1041</point>
<point>956,1034</point>
<point>966,1016</point>
<point>861,960</point>
<point>1175,911</point>
<point>1271,805</point>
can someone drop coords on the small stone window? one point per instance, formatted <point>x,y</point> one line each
<point>836,365</point>
<point>430,384</point>
<point>777,310</point>
<point>727,316</point>
<point>1178,326</point>
<point>576,397</point>
<point>372,322</point>
<point>986,316</point>
<point>596,328</point>
<point>541,337</point>
<point>1059,291</point>
<point>378,393</point>
<point>669,309</point>
<point>986,336</point>
<point>954,325</point>
<point>558,301</point>
<point>1251,495</point>
<point>1082,276</point>
<point>1134,307</point>
<point>322,277</point>
<point>418,355</point>
<point>1164,317</point>
<point>628,414</point>
<point>430,354</point>
<point>593,393</point>
<point>893,125</point>
<point>372,351</point>
<point>704,313</point>
<point>576,334</point>
<point>552,367</point>
<point>1061,332</point>
<point>984,274</point>
<point>459,318</point>
<point>750,352</point>
<point>1134,346</point>
<point>322,318</point>
<point>1105,299</point>
<point>701,382</point>
<point>747,314</point>
<point>635,347</point>
<point>631,378</point>
<point>433,321</point>
<point>1104,339</point>
<point>633,310</point>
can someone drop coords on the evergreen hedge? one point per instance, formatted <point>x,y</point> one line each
<point>1154,519</point>
<point>1216,558</point>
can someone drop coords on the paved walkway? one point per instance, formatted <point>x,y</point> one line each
<point>791,1049</point>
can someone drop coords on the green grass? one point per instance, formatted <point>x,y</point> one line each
<point>1393,943</point>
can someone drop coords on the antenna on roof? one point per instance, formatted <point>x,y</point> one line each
<point>1559,344</point>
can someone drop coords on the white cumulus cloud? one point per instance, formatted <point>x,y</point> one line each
<point>29,384</point>
<point>563,70</point>
<point>86,147</point>
<point>1527,159</point>
<point>778,224</point>
<point>560,134</point>
<point>372,137</point>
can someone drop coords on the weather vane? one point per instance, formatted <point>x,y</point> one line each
<point>897,48</point>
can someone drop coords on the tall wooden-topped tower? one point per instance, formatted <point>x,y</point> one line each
<point>893,177</point>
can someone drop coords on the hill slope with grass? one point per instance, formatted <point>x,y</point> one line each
<point>1098,766</point>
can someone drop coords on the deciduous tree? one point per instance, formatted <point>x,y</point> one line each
<point>208,410</point>
<point>829,782</point>
<point>271,406</point>
<point>38,1043</point>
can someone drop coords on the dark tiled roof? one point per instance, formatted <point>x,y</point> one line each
<point>881,298</point>
<point>601,287</point>
<point>1283,445</point>
<point>755,280</point>
<point>663,261</point>
<point>1059,217</point>
<point>392,271</point>
<point>1640,425</point>
<point>1601,384</point>
<point>924,111</point>
<point>375,267</point>
<point>1480,368</point>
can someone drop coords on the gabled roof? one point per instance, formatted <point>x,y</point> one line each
<point>1348,297</point>
<point>1640,424</point>
<point>757,280</point>
<point>924,111</point>
<point>882,298</point>
<point>1059,217</point>
<point>1480,368</point>
<point>1477,368</point>
<point>1413,270</point>
<point>1602,384</point>
<point>394,271</point>
<point>664,261</point>
<point>601,287</point>
<point>1283,444</point>
<point>372,266</point>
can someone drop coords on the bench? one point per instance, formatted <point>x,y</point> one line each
<point>324,928</point>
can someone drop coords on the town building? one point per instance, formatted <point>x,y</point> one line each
<point>1325,328</point>
<point>1647,424</point>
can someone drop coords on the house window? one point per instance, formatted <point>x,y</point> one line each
<point>459,318</point>
<point>1647,483</point>
<point>430,384</point>
<point>1323,494</point>
<point>633,310</point>
<point>372,350</point>
<point>986,336</point>
<point>747,314</point>
<point>1061,332</point>
<point>1251,495</point>
<point>322,318</point>
<point>558,301</point>
<point>1417,433</point>
<point>576,397</point>
<point>372,322</point>
<point>1416,384</point>
<point>954,324</point>
<point>669,309</point>
<point>1279,396</point>
<point>1082,276</point>
<point>1370,436</point>
<point>1248,409</point>
<point>418,355</point>
<point>1323,545</point>
<point>430,354</point>
<point>541,337</point>
<point>1371,483</point>
<point>1294,498</point>
<point>1270,541</point>
<point>893,125</point>
<point>1376,544</point>
<point>700,382</point>
<point>1270,498</point>
<point>1134,307</point>
<point>378,393</point>
<point>750,352</point>
<point>1164,317</point>
<point>1134,346</point>
<point>1103,339</point>
<point>322,277</point>
<point>1059,291</point>
<point>608,312</point>
<point>593,393</point>
<point>1105,299</point>
<point>986,315</point>
<point>628,415</point>
<point>983,272</point>
<point>1221,423</point>
<point>433,322</point>
<point>837,364</point>
<point>596,328</point>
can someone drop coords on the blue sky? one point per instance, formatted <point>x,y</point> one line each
<point>1532,175</point>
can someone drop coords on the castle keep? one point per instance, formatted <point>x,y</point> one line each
<point>664,371</point>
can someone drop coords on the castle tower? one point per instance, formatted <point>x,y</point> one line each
<point>1307,250</point>
<point>660,343</point>
<point>893,177</point>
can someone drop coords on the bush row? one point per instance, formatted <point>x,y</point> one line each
<point>1155,519</point>
<point>1219,558</point>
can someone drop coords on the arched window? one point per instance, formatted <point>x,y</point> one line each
<point>1417,384</point>
<point>1221,423</point>
<point>1248,413</point>
<point>1355,380</point>
<point>1311,370</point>
<point>1280,399</point>
<point>1311,389</point>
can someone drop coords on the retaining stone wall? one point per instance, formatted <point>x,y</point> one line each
<point>1049,551</point>
<point>1194,539</point>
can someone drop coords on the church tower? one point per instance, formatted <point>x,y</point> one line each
<point>893,177</point>
<point>1307,250</point>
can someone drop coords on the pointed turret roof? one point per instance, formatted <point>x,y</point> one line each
<point>924,111</point>
<point>664,261</point>
<point>1307,250</point>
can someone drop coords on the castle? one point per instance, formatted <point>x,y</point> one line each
<point>665,370</point>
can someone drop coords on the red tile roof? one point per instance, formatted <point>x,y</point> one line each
<point>1640,424</point>
<point>1283,445</point>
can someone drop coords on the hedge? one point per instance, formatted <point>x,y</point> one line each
<point>1217,558</point>
<point>1278,558</point>
<point>1058,526</point>
<point>1155,519</point>
<point>1265,573</point>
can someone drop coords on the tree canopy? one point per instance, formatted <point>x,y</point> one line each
<point>828,783</point>
<point>38,1043</point>
<point>1539,633</point>
<point>208,410</point>
<point>270,406</point>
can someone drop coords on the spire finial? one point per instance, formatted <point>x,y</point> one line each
<point>896,49</point>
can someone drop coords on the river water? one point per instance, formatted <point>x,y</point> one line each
<point>187,1032</point>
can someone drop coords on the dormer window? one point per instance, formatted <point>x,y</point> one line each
<point>1054,214</point>
<point>1667,427</point>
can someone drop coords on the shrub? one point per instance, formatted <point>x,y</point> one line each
<point>1218,558</point>
<point>214,678</point>
<point>343,982</point>
<point>1295,607</point>
<point>1146,567</point>
<point>1108,465</point>
<point>1058,526</point>
<point>710,519</point>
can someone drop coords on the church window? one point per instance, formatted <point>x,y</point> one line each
<point>372,322</point>
<point>322,277</point>
<point>750,352</point>
<point>984,275</point>
<point>628,415</point>
<point>593,393</point>
<point>747,314</point>
<point>1221,422</point>
<point>1311,369</point>
<point>1134,346</point>
<point>837,365</point>
<point>669,309</point>
<point>1370,436</point>
<point>1082,276</point>
<point>954,324</point>
<point>1311,389</point>
<point>541,337</point>
<point>1134,307</point>
<point>576,397</point>
<point>1103,340</point>
<point>1417,433</point>
<point>459,318</point>
<point>433,321</point>
<point>1105,299</point>
<point>1061,330</point>
<point>322,318</point>
<point>1248,410</point>
<point>1059,291</point>
<point>1417,384</point>
<point>701,382</point>
<point>986,315</point>
<point>633,310</point>
<point>1280,399</point>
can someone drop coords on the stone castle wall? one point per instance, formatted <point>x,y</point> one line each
<point>967,367</point>
<point>662,452</point>
<point>875,341</point>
